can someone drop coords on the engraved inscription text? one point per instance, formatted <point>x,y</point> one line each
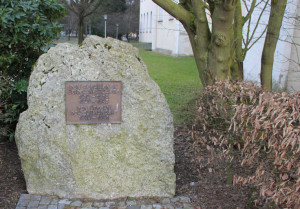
<point>93,102</point>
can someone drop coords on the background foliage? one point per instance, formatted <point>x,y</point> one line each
<point>26,31</point>
<point>12,103</point>
<point>26,27</point>
<point>121,12</point>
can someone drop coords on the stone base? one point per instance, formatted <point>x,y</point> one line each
<point>53,202</point>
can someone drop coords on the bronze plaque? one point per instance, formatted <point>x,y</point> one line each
<point>93,102</point>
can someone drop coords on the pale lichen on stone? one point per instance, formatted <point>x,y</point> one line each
<point>134,158</point>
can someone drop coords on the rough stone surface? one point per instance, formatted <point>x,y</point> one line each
<point>43,207</point>
<point>65,201</point>
<point>98,204</point>
<point>23,203</point>
<point>101,161</point>
<point>76,203</point>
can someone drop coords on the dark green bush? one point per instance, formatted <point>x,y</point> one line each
<point>12,103</point>
<point>27,29</point>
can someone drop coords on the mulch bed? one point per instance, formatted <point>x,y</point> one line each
<point>205,185</point>
<point>12,182</point>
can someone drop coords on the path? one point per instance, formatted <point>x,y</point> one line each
<point>28,201</point>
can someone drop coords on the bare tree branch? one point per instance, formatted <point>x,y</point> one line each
<point>256,26</point>
<point>199,10</point>
<point>94,9</point>
<point>176,10</point>
<point>249,11</point>
<point>248,32</point>
<point>267,58</point>
<point>245,4</point>
<point>248,48</point>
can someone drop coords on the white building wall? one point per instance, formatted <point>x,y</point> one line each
<point>147,14</point>
<point>185,48</point>
<point>286,69</point>
<point>167,35</point>
<point>293,77</point>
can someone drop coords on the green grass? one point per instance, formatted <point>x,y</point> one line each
<point>179,81</point>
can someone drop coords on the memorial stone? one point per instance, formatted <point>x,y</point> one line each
<point>97,126</point>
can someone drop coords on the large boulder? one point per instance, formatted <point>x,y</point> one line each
<point>133,158</point>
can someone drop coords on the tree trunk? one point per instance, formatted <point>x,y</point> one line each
<point>274,25</point>
<point>199,35</point>
<point>237,67</point>
<point>220,54</point>
<point>80,29</point>
<point>213,50</point>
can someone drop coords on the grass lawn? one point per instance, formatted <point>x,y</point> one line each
<point>179,81</point>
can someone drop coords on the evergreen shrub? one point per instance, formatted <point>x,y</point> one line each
<point>27,29</point>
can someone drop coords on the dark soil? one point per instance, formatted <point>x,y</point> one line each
<point>12,182</point>
<point>205,184</point>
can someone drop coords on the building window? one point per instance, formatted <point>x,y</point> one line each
<point>141,24</point>
<point>147,23</point>
<point>150,22</point>
<point>160,14</point>
<point>144,28</point>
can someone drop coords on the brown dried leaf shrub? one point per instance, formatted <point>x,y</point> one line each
<point>263,126</point>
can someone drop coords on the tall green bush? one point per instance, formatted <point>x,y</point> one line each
<point>12,103</point>
<point>27,28</point>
